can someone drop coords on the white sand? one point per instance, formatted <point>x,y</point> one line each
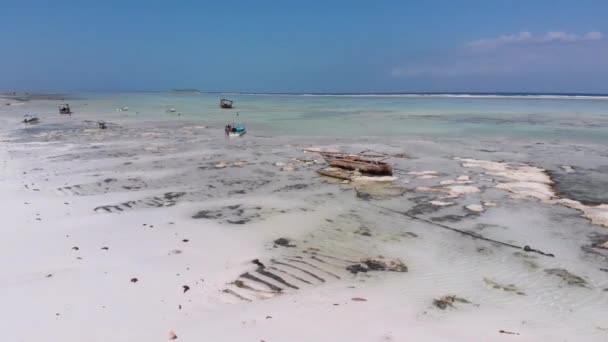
<point>60,283</point>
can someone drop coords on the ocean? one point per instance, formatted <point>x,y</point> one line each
<point>551,116</point>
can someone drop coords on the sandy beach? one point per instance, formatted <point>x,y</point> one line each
<point>159,227</point>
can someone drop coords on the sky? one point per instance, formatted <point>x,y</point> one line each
<point>305,46</point>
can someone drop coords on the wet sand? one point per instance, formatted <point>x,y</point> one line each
<point>158,226</point>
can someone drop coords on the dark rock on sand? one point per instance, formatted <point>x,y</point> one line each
<point>377,265</point>
<point>207,214</point>
<point>283,242</point>
<point>568,277</point>
<point>423,208</point>
<point>507,332</point>
<point>448,302</point>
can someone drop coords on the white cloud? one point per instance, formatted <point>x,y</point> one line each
<point>521,54</point>
<point>593,35</point>
<point>528,38</point>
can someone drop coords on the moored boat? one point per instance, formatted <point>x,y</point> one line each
<point>29,119</point>
<point>235,130</point>
<point>65,109</point>
<point>358,163</point>
<point>225,103</point>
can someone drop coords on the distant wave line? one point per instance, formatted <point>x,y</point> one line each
<point>446,95</point>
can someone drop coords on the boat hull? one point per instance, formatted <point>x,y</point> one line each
<point>236,134</point>
<point>363,165</point>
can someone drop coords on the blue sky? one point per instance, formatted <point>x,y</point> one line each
<point>305,46</point>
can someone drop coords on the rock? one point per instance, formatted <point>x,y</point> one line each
<point>377,265</point>
<point>75,248</point>
<point>476,208</point>
<point>358,299</point>
<point>441,203</point>
<point>172,335</point>
<point>134,280</point>
<point>186,288</point>
<point>357,268</point>
<point>283,242</point>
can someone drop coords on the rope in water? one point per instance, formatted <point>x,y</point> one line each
<point>525,248</point>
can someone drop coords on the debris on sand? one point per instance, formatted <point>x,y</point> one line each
<point>223,164</point>
<point>283,242</point>
<point>449,301</point>
<point>185,288</point>
<point>507,332</point>
<point>363,231</point>
<point>377,264</point>
<point>358,299</point>
<point>568,277</point>
<point>172,335</point>
<point>507,288</point>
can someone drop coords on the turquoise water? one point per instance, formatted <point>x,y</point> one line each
<point>546,118</point>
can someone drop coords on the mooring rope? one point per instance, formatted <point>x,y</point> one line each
<point>525,248</point>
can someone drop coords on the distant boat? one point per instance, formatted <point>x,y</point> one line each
<point>235,130</point>
<point>225,103</point>
<point>28,119</point>
<point>357,163</point>
<point>65,109</point>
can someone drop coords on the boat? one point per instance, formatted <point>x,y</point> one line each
<point>65,109</point>
<point>28,119</point>
<point>225,103</point>
<point>235,130</point>
<point>358,163</point>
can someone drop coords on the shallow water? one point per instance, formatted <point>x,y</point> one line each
<point>517,118</point>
